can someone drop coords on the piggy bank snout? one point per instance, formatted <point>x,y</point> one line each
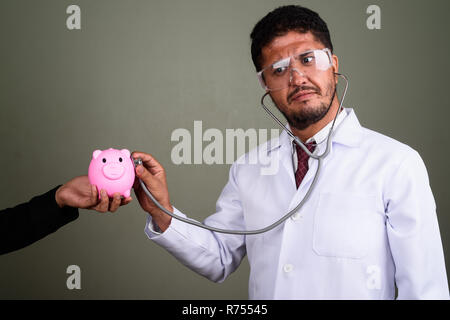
<point>113,171</point>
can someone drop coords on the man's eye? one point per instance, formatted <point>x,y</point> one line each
<point>307,60</point>
<point>278,71</point>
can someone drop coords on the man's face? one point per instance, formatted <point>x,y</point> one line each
<point>307,97</point>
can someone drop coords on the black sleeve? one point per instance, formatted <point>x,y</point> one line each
<point>31,221</point>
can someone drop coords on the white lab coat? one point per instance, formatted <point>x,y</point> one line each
<point>369,224</point>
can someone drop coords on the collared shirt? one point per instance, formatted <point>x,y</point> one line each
<point>320,137</point>
<point>369,223</point>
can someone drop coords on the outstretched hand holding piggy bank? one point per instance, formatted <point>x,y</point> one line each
<point>113,171</point>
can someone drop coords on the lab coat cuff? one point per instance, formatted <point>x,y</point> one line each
<point>153,232</point>
<point>152,227</point>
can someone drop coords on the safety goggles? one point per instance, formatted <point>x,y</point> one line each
<point>309,63</point>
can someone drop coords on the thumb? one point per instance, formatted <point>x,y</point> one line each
<point>145,175</point>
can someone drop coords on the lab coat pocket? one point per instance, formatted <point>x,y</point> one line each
<point>342,225</point>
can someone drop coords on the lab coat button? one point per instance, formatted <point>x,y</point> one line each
<point>288,267</point>
<point>296,216</point>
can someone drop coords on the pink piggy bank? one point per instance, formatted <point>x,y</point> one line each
<point>112,170</point>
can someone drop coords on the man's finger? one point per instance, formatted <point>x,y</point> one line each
<point>115,202</point>
<point>136,184</point>
<point>149,162</point>
<point>104,203</point>
<point>126,201</point>
<point>146,177</point>
<point>94,194</point>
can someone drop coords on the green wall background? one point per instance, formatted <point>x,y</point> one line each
<point>136,71</point>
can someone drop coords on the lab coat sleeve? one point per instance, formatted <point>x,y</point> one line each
<point>211,254</point>
<point>413,232</point>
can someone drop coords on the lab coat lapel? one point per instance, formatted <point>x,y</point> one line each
<point>348,133</point>
<point>286,160</point>
<point>279,151</point>
<point>306,182</point>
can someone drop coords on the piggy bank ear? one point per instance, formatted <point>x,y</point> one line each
<point>96,153</point>
<point>125,152</point>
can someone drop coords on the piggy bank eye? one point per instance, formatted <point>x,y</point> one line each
<point>104,160</point>
<point>120,159</point>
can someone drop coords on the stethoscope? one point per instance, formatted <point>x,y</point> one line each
<point>297,141</point>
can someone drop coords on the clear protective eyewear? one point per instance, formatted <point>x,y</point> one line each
<point>279,75</point>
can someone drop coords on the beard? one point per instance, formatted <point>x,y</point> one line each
<point>301,119</point>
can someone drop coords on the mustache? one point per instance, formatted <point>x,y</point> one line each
<point>301,88</point>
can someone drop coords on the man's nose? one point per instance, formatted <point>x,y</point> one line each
<point>297,77</point>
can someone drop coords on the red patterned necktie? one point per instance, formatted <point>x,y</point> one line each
<point>302,161</point>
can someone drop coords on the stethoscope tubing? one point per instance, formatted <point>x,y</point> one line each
<point>291,212</point>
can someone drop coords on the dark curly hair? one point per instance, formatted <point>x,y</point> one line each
<point>282,20</point>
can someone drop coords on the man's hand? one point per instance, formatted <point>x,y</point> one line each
<point>79,193</point>
<point>154,176</point>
